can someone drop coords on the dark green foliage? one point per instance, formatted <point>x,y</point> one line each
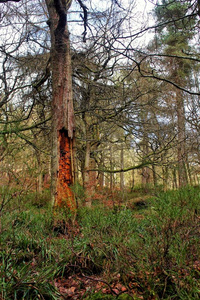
<point>172,15</point>
<point>176,32</point>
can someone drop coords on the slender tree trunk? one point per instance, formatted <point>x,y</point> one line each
<point>111,167</point>
<point>175,185</point>
<point>122,167</point>
<point>189,172</point>
<point>145,150</point>
<point>155,181</point>
<point>101,174</point>
<point>40,181</point>
<point>133,180</point>
<point>86,175</point>
<point>39,168</point>
<point>62,168</point>
<point>181,152</point>
<point>89,176</point>
<point>165,177</point>
<point>145,170</point>
<point>92,174</point>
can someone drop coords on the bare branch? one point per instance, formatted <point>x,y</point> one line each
<point>84,18</point>
<point>4,1</point>
<point>16,130</point>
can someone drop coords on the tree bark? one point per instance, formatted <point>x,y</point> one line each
<point>165,170</point>
<point>89,176</point>
<point>181,152</point>
<point>101,174</point>
<point>111,166</point>
<point>63,127</point>
<point>155,180</point>
<point>145,149</point>
<point>86,175</point>
<point>122,167</point>
<point>175,185</point>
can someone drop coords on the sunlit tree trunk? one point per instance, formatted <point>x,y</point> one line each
<point>62,168</point>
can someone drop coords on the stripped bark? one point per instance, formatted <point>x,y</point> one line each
<point>63,127</point>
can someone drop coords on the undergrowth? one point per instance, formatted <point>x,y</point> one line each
<point>153,252</point>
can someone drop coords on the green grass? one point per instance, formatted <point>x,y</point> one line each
<point>154,251</point>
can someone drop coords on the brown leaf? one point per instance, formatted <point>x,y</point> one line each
<point>116,291</point>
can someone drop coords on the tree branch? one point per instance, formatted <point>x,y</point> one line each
<point>170,82</point>
<point>84,18</point>
<point>60,29</point>
<point>143,164</point>
<point>4,1</point>
<point>16,130</point>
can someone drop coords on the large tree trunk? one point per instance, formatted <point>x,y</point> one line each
<point>62,169</point>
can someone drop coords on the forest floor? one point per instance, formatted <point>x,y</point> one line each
<point>133,245</point>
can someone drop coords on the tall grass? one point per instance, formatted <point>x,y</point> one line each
<point>154,251</point>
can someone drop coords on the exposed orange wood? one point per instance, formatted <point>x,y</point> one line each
<point>65,196</point>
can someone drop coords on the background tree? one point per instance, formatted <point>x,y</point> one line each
<point>175,40</point>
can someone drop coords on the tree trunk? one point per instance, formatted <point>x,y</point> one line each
<point>145,170</point>
<point>86,175</point>
<point>145,151</point>
<point>39,168</point>
<point>62,169</point>
<point>111,167</point>
<point>181,153</point>
<point>122,167</point>
<point>155,180</point>
<point>101,174</point>
<point>133,180</point>
<point>175,185</point>
<point>89,176</point>
<point>165,170</point>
